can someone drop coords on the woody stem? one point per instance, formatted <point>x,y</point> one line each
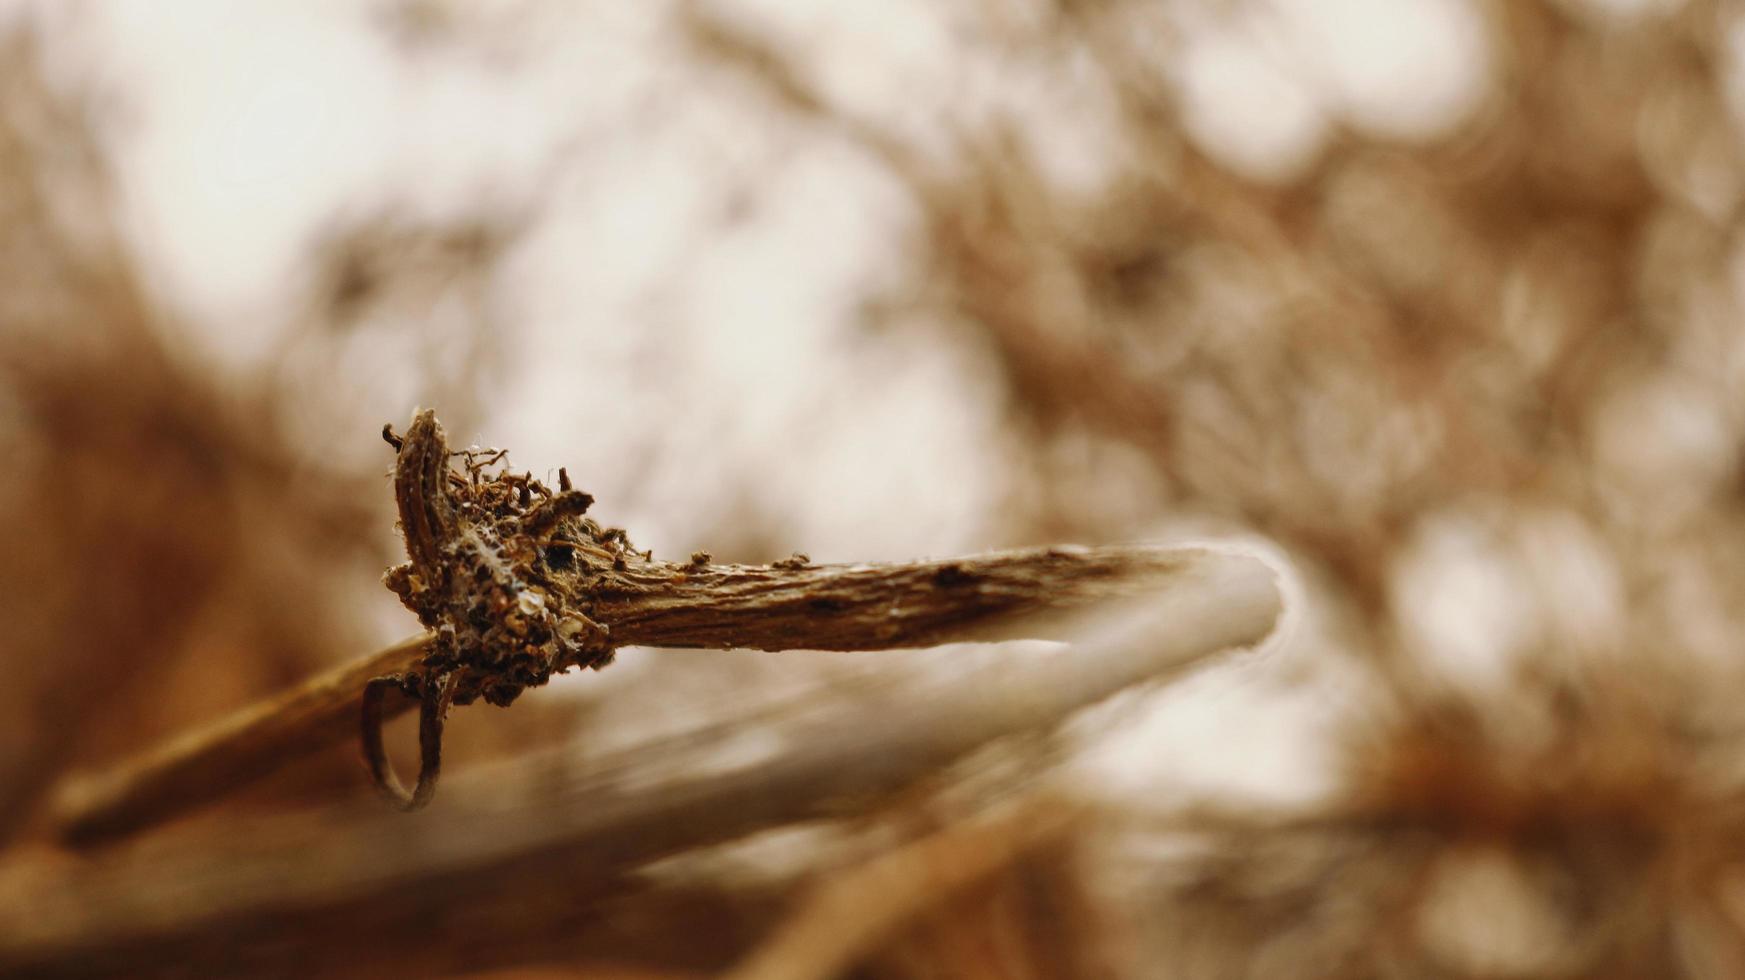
<point>995,596</point>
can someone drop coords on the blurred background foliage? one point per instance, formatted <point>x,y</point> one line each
<point>1442,299</point>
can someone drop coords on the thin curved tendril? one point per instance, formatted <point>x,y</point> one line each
<point>433,709</point>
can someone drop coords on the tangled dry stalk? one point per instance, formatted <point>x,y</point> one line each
<point>664,798</point>
<point>516,585</point>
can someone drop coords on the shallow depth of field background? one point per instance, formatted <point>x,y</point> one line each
<point>1443,301</point>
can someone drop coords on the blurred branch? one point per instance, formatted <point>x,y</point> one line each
<point>850,913</point>
<point>511,834</point>
<point>207,763</point>
<point>1004,595</point>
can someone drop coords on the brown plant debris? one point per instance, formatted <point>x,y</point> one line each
<point>493,573</point>
<point>515,584</point>
<point>561,840</point>
<point>500,569</point>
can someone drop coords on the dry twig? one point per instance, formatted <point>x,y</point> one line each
<point>546,836</point>
<point>516,585</point>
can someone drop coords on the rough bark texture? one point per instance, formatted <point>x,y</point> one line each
<point>502,837</point>
<point>827,607</point>
<point>516,585</point>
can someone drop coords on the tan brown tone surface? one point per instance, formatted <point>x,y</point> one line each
<point>511,625</point>
<point>1441,299</point>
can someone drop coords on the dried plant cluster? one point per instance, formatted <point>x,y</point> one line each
<point>1484,388</point>
<point>502,580</point>
<point>513,591</point>
<point>516,585</point>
